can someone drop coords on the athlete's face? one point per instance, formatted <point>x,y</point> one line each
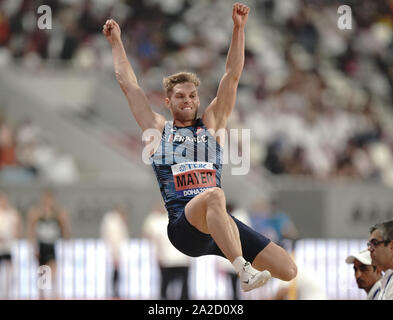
<point>183,102</point>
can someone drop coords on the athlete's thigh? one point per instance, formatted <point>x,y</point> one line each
<point>196,209</point>
<point>195,212</point>
<point>275,259</point>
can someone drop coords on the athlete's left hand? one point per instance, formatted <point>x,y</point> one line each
<point>240,14</point>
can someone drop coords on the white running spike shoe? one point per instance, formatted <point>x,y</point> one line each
<point>251,278</point>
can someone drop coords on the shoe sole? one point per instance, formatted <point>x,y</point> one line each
<point>264,277</point>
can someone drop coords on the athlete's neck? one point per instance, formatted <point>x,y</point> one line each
<point>186,123</point>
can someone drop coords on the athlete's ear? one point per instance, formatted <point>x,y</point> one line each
<point>167,101</point>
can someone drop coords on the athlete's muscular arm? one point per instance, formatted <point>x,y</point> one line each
<point>137,100</point>
<point>217,113</point>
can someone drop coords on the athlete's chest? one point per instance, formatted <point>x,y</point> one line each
<point>187,136</point>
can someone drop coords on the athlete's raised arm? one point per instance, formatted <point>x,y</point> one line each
<point>216,114</point>
<point>137,100</point>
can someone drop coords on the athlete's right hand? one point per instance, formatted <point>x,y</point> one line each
<point>111,30</point>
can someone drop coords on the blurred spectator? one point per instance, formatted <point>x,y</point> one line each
<point>62,169</point>
<point>28,136</point>
<point>48,162</point>
<point>273,223</point>
<point>4,28</point>
<point>7,144</point>
<point>25,153</point>
<point>297,164</point>
<point>173,264</point>
<point>345,166</point>
<point>114,232</point>
<point>47,223</point>
<point>380,245</point>
<point>274,161</point>
<point>10,230</point>
<point>315,98</point>
<point>368,277</point>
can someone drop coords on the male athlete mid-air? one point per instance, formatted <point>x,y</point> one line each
<point>187,161</point>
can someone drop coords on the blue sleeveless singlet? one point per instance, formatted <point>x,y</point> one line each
<point>186,163</point>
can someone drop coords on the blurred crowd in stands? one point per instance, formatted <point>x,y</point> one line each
<point>318,100</point>
<point>26,154</point>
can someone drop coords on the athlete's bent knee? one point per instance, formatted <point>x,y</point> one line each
<point>290,272</point>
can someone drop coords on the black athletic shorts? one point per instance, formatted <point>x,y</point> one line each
<point>46,253</point>
<point>190,241</point>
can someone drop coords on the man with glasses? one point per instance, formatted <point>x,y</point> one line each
<point>380,245</point>
<point>367,276</point>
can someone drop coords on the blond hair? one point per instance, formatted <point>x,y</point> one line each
<point>181,77</point>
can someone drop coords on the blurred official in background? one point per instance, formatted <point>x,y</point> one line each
<point>10,230</point>
<point>380,244</point>
<point>174,265</point>
<point>368,276</point>
<point>114,232</point>
<point>47,223</point>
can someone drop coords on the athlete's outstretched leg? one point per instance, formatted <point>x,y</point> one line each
<point>207,213</point>
<point>275,259</point>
